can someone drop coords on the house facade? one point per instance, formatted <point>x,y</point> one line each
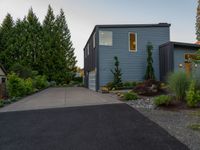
<point>128,43</point>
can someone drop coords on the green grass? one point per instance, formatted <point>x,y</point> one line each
<point>196,113</point>
<point>195,127</point>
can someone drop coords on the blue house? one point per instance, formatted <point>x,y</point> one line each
<point>128,43</point>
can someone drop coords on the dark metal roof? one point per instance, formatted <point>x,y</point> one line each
<point>181,44</point>
<point>134,25</point>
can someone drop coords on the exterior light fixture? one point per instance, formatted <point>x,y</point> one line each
<point>180,65</point>
<point>195,65</point>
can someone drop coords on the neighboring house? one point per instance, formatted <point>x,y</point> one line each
<point>2,74</point>
<point>128,43</point>
<point>79,72</point>
<point>2,82</point>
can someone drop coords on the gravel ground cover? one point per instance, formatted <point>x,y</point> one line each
<point>177,123</point>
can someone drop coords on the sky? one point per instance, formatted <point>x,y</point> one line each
<point>83,15</point>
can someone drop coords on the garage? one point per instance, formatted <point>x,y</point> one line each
<point>92,80</point>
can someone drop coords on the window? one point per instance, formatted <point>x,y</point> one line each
<point>133,42</point>
<point>105,38</point>
<point>3,80</point>
<point>94,40</point>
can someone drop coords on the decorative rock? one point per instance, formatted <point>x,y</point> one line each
<point>142,103</point>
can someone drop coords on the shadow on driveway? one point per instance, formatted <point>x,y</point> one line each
<point>102,127</point>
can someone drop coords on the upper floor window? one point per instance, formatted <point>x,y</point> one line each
<point>105,38</point>
<point>133,42</point>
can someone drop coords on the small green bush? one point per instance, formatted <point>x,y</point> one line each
<point>1,103</point>
<point>195,127</point>
<point>162,100</point>
<point>78,79</point>
<point>178,83</point>
<point>52,83</point>
<point>16,86</point>
<point>127,84</point>
<point>192,96</point>
<point>130,96</point>
<point>7,101</point>
<point>40,82</point>
<point>110,85</point>
<point>196,77</point>
<point>28,83</point>
<point>134,84</point>
<point>14,99</point>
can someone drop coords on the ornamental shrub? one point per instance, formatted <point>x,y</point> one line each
<point>16,86</point>
<point>178,83</point>
<point>117,74</point>
<point>162,100</point>
<point>40,82</point>
<point>130,96</point>
<point>28,83</point>
<point>149,75</point>
<point>192,96</point>
<point>110,85</point>
<point>127,84</point>
<point>1,103</point>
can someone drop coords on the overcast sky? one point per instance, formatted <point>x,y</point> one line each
<point>83,15</point>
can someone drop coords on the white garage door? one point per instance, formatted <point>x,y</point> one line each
<point>92,80</point>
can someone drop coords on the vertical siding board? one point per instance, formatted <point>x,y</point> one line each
<point>166,60</point>
<point>97,58</point>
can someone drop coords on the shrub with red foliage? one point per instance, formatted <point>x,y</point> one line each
<point>148,88</point>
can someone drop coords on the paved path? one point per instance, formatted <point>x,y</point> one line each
<point>100,127</point>
<point>61,97</point>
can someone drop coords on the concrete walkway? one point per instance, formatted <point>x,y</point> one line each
<point>61,97</point>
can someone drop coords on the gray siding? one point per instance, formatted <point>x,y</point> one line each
<point>166,60</point>
<point>90,61</point>
<point>133,65</point>
<point>179,56</point>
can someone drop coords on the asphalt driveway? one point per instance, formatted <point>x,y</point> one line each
<point>61,97</point>
<point>101,127</point>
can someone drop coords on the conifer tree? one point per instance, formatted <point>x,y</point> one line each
<point>117,75</point>
<point>65,48</point>
<point>34,43</point>
<point>198,22</point>
<point>45,48</point>
<point>6,32</point>
<point>16,50</point>
<point>48,41</point>
<point>149,70</point>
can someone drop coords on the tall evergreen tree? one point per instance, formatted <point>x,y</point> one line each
<point>46,48</point>
<point>65,48</point>
<point>149,71</point>
<point>198,22</point>
<point>33,40</point>
<point>6,32</point>
<point>48,41</point>
<point>17,45</point>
